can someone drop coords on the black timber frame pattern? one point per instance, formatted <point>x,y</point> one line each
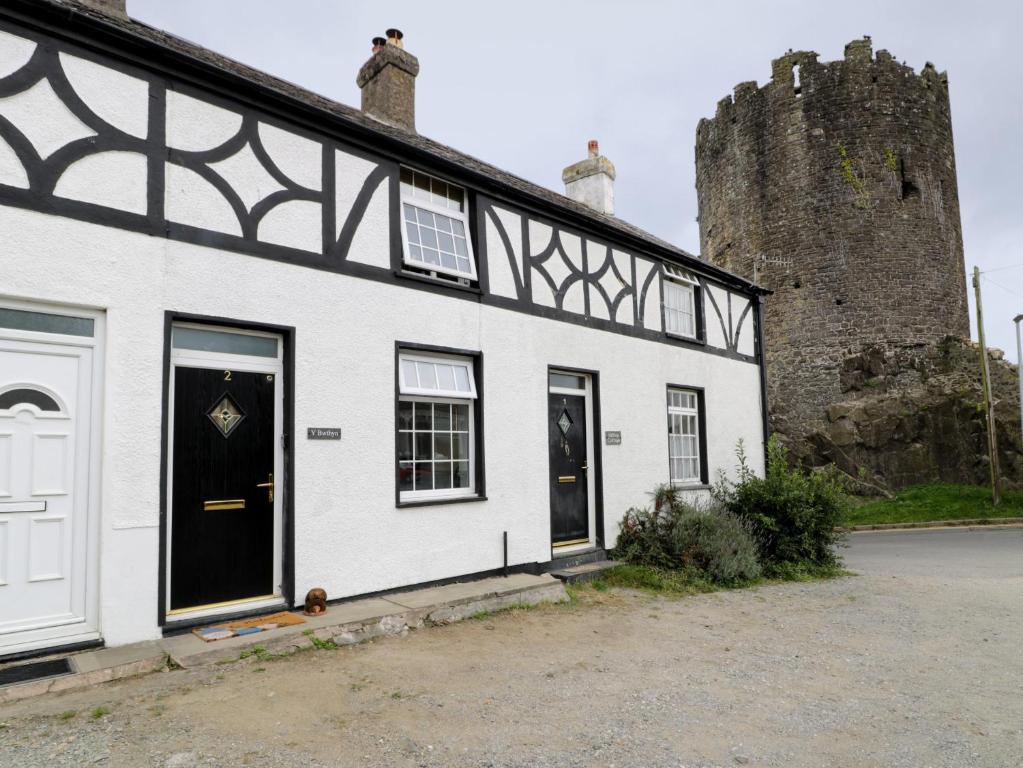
<point>230,92</point>
<point>288,507</point>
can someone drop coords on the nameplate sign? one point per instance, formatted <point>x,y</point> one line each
<point>323,433</point>
<point>613,438</point>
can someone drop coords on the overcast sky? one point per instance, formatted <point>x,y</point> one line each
<point>524,84</point>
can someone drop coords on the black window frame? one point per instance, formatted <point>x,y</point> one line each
<point>477,422</point>
<point>701,426</point>
<point>701,325</point>
<point>400,266</point>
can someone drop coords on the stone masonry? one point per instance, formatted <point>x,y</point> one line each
<point>834,185</point>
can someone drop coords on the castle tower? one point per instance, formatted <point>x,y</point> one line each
<point>834,185</point>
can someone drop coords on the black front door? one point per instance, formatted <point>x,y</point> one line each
<point>222,526</point>
<point>566,417</point>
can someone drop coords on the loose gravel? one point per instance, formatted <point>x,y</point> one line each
<point>913,662</point>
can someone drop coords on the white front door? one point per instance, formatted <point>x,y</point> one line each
<point>47,485</point>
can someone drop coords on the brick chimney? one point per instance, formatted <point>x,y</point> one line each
<point>109,7</point>
<point>388,82</point>
<point>592,181</point>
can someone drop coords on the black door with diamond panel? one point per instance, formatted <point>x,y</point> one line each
<point>222,527</point>
<point>567,435</point>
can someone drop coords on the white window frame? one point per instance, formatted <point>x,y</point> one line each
<point>415,394</point>
<point>683,411</point>
<point>676,278</point>
<point>462,216</point>
<point>404,388</point>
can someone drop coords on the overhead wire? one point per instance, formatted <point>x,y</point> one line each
<point>989,281</point>
<point>1001,269</point>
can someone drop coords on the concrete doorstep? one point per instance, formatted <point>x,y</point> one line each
<point>342,624</point>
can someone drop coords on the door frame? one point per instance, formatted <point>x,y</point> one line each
<point>92,630</point>
<point>287,487</point>
<point>594,477</point>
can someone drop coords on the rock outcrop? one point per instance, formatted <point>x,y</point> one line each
<point>914,413</point>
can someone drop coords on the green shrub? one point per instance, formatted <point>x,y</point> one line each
<point>793,514</point>
<point>717,543</point>
<point>680,534</point>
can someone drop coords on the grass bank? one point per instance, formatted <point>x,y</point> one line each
<point>926,503</point>
<point>692,581</point>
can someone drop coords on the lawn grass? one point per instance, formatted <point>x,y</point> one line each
<point>933,502</point>
<point>691,581</point>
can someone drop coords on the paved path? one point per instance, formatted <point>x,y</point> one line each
<point>915,662</point>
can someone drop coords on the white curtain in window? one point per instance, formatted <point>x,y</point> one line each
<point>679,309</point>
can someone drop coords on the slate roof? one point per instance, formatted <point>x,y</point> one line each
<point>69,13</point>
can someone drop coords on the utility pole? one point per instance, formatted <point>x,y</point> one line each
<point>1019,367</point>
<point>989,406</point>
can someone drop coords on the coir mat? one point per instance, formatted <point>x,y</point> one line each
<point>228,629</point>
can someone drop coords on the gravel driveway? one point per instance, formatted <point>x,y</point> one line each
<point>914,662</point>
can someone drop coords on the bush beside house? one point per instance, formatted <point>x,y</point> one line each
<point>782,525</point>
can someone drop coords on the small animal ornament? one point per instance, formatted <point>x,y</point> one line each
<point>315,602</point>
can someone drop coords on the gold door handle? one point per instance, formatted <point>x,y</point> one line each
<point>269,484</point>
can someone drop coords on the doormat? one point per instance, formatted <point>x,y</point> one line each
<point>34,671</point>
<point>247,627</point>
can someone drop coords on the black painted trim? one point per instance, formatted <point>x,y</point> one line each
<point>758,327</point>
<point>52,650</point>
<point>478,442</point>
<point>131,49</point>
<point>717,311</point>
<point>701,411</point>
<point>435,502</point>
<point>437,285</point>
<point>287,332</point>
<point>171,628</point>
<point>700,305</point>
<point>330,254</point>
<point>534,569</point>
<point>598,456</point>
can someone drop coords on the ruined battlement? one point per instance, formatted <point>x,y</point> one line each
<point>799,75</point>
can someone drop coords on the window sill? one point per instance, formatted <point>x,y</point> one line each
<point>687,339</point>
<point>434,502</point>
<point>437,282</point>
<point>691,486</point>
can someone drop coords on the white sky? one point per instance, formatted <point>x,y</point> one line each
<point>524,84</point>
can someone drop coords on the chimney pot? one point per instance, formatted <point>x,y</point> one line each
<point>592,181</point>
<point>394,37</point>
<point>388,82</point>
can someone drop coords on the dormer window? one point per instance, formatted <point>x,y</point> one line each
<point>681,297</point>
<point>435,232</point>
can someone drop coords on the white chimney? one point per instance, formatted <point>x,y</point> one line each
<point>592,181</point>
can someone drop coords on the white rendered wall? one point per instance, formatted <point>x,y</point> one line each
<point>350,538</point>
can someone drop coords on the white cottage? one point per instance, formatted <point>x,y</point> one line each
<point>253,341</point>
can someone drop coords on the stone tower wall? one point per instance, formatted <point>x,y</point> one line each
<point>834,185</point>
